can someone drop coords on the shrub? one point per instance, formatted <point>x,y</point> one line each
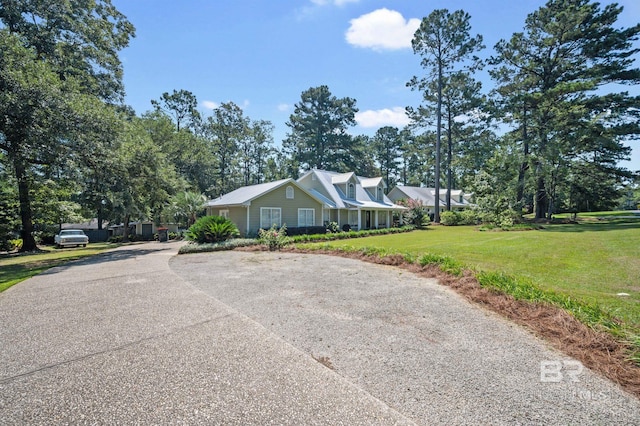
<point>333,227</point>
<point>468,217</point>
<point>175,235</point>
<point>15,244</point>
<point>350,234</point>
<point>464,217</point>
<point>416,213</point>
<point>211,229</point>
<point>209,247</point>
<point>449,218</point>
<point>274,238</point>
<point>306,230</point>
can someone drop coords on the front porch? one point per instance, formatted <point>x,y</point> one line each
<point>359,218</point>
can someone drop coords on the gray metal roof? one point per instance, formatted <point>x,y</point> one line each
<point>427,196</point>
<point>242,196</point>
<point>330,180</point>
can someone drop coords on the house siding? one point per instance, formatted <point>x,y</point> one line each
<point>309,183</point>
<point>237,215</point>
<point>289,207</point>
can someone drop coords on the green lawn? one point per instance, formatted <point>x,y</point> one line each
<point>590,261</point>
<point>18,267</point>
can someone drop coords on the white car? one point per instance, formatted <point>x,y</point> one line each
<point>71,237</point>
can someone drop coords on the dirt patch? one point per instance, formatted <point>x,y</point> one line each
<point>597,350</point>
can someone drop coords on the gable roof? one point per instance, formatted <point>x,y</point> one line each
<point>338,178</point>
<point>330,181</point>
<point>428,195</point>
<point>244,195</point>
<point>371,182</point>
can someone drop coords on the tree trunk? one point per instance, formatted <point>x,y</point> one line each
<point>541,200</point>
<point>436,216</point>
<point>125,233</point>
<point>524,166</point>
<point>449,155</point>
<point>99,217</point>
<point>26,233</point>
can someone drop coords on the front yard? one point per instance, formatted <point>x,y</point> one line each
<point>592,262</point>
<point>15,268</point>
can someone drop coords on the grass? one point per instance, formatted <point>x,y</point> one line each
<point>587,263</point>
<point>15,268</point>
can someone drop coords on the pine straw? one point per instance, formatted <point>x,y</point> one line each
<point>597,350</point>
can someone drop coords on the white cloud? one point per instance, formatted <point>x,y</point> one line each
<point>213,105</point>
<point>395,116</point>
<point>209,104</point>
<point>382,29</point>
<point>284,107</point>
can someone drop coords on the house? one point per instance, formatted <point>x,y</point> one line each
<point>261,206</point>
<point>356,201</point>
<point>315,199</point>
<point>459,199</point>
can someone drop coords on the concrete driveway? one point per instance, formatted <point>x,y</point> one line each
<point>139,336</point>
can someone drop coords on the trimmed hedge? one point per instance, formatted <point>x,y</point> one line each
<point>225,245</point>
<point>306,230</point>
<point>350,234</point>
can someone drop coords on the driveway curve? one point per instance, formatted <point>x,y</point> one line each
<point>138,335</point>
<point>415,345</point>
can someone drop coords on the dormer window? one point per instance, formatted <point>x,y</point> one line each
<point>289,192</point>
<point>380,193</point>
<point>351,191</point>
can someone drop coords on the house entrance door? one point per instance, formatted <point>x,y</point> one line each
<point>367,220</point>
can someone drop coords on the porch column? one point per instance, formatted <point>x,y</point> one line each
<point>388,221</point>
<point>359,219</point>
<point>377,223</point>
<point>247,231</point>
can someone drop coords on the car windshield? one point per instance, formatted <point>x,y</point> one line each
<point>72,232</point>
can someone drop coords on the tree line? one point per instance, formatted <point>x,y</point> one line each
<point>548,136</point>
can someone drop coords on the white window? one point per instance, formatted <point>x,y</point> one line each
<point>306,217</point>
<point>290,192</point>
<point>224,213</point>
<point>353,217</point>
<point>270,216</point>
<point>380,194</point>
<point>351,191</point>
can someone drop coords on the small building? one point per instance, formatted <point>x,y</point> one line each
<point>427,196</point>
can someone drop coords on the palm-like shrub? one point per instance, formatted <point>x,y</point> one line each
<point>211,229</point>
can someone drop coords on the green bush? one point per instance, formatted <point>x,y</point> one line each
<point>350,234</point>
<point>274,238</point>
<point>333,227</point>
<point>209,247</point>
<point>463,217</point>
<point>211,229</point>
<point>449,218</point>
<point>15,244</point>
<point>417,214</point>
<point>468,217</point>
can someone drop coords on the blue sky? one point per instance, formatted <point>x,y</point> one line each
<point>262,54</point>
